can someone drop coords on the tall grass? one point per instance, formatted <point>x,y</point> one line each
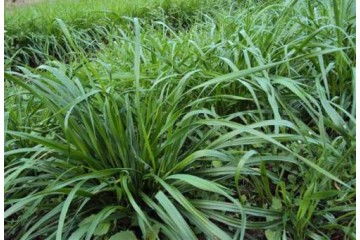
<point>233,127</point>
<point>33,34</point>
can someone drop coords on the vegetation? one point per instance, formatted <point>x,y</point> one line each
<point>180,120</point>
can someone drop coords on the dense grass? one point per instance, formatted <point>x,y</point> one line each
<point>34,35</point>
<point>234,120</point>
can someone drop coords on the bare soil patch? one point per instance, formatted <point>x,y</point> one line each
<point>20,2</point>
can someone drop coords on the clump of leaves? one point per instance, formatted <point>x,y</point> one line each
<point>234,136</point>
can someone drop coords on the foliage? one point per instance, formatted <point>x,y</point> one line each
<point>236,122</point>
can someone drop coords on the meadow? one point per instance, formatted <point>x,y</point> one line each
<point>175,119</point>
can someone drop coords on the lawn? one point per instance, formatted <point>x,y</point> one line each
<point>174,119</point>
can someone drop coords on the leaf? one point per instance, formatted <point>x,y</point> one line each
<point>174,214</point>
<point>276,203</point>
<point>79,233</point>
<point>87,220</point>
<point>133,202</point>
<point>198,217</point>
<point>273,235</point>
<point>101,216</point>
<point>43,220</point>
<point>65,209</point>
<point>200,154</point>
<point>216,164</point>
<point>102,229</point>
<point>66,33</point>
<point>201,183</point>
<point>249,71</point>
<point>240,165</point>
<point>123,235</point>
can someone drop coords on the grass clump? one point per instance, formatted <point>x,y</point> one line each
<point>233,127</point>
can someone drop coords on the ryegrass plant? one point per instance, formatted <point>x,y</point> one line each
<point>240,125</point>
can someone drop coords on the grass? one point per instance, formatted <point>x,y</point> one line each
<point>36,36</point>
<point>234,120</point>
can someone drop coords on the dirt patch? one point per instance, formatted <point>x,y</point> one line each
<point>19,2</point>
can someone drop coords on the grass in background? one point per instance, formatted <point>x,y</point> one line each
<point>34,35</point>
<point>240,125</point>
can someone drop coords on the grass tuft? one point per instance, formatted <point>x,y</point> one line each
<point>180,120</point>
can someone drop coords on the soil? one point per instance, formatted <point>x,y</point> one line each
<point>19,2</point>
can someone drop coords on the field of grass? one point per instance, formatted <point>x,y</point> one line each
<point>175,119</point>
